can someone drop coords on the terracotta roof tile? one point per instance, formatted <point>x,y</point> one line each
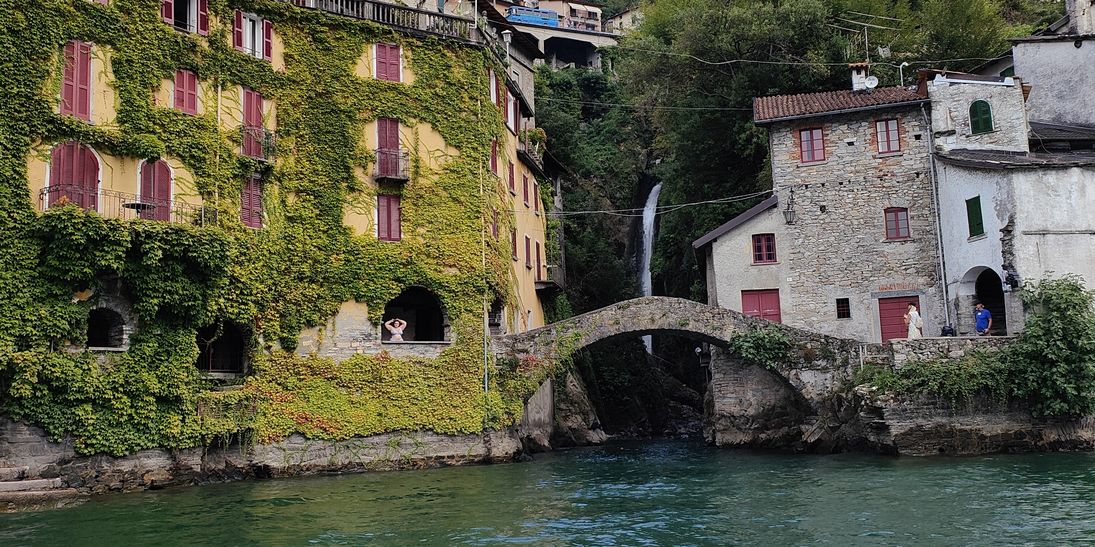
<point>767,109</point>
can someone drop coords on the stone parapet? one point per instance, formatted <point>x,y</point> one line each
<point>946,348</point>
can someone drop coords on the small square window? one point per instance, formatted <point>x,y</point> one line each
<point>843,308</point>
<point>811,145</point>
<point>897,223</point>
<point>764,248</point>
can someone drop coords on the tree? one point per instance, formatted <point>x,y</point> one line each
<point>967,31</point>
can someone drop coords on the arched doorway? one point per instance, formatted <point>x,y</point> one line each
<point>105,329</point>
<point>222,348</point>
<point>421,309</point>
<point>989,290</point>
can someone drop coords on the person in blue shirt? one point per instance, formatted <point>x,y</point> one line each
<point>982,320</point>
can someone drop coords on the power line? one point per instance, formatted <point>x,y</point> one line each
<point>791,63</point>
<point>876,16</point>
<point>661,209</point>
<point>643,107</point>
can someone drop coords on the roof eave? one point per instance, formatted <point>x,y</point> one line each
<point>838,112</point>
<point>738,220</point>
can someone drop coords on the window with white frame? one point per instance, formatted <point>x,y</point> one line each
<point>251,35</point>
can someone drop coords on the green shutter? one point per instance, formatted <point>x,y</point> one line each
<point>980,117</point>
<point>973,216</point>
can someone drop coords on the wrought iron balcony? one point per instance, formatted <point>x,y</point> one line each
<point>259,142</point>
<point>393,165</point>
<point>554,281</point>
<point>411,19</point>
<point>122,205</point>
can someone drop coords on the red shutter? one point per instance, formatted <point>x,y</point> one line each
<point>500,85</point>
<point>180,90</point>
<point>394,73</point>
<point>267,39</point>
<point>538,264</point>
<point>528,252</point>
<point>382,61</point>
<point>513,241</point>
<point>237,30</point>
<point>387,144</point>
<point>203,17</point>
<point>74,173</point>
<point>524,180</point>
<point>494,156</point>
<point>494,225</point>
<point>167,11</point>
<point>383,219</point>
<point>505,103</point>
<point>251,202</point>
<point>156,190</point>
<point>397,218</point>
<point>536,196</point>
<point>252,123</point>
<point>68,82</point>
<point>82,72</point>
<point>89,167</point>
<point>511,177</point>
<point>192,93</point>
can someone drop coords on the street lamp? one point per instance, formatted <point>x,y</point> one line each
<point>789,213</point>
<point>507,37</point>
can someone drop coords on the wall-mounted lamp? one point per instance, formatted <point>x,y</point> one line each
<point>789,213</point>
<point>507,37</point>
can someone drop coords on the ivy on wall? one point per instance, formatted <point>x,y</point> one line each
<point>291,275</point>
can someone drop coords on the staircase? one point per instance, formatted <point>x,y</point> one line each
<point>18,493</point>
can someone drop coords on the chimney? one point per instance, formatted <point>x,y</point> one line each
<point>859,76</point>
<point>1081,16</point>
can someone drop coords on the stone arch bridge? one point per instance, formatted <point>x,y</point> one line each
<point>746,404</point>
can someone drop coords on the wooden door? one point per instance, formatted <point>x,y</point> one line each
<point>891,316</point>
<point>763,304</point>
<point>155,191</point>
<point>387,144</point>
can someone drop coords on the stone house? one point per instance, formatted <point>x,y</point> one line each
<point>849,237</point>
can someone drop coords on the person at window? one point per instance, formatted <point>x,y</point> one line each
<point>914,322</point>
<point>395,326</point>
<point>982,320</point>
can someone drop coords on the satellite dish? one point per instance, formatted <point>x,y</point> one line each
<point>872,82</point>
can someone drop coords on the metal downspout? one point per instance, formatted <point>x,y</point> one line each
<point>938,217</point>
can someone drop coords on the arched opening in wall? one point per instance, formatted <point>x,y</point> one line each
<point>990,292</point>
<point>494,318</point>
<point>222,348</point>
<point>422,311</point>
<point>105,329</point>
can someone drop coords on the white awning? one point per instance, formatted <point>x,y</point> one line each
<point>584,7</point>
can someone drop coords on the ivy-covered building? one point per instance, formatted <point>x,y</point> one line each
<point>195,191</point>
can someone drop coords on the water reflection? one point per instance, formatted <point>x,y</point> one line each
<point>629,494</point>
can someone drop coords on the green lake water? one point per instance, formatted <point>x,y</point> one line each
<point>657,493</point>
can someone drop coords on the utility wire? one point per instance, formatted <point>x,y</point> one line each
<point>790,63</point>
<point>642,107</point>
<point>659,210</point>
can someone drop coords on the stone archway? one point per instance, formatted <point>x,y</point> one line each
<point>747,404</point>
<point>981,284</point>
<point>105,329</point>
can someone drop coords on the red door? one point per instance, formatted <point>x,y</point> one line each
<point>253,130</point>
<point>891,316</point>
<point>763,304</point>
<point>156,191</point>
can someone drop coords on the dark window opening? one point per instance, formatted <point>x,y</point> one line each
<point>105,329</point>
<point>421,309</point>
<point>182,15</point>
<point>222,348</point>
<point>843,308</point>
<point>494,318</point>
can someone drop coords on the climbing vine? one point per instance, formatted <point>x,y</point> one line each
<point>291,275</point>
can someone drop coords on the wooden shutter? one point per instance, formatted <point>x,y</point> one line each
<point>539,267</point>
<point>252,123</point>
<point>494,156</point>
<point>528,252</point>
<point>513,242</point>
<point>237,30</point>
<point>397,218</point>
<point>388,218</point>
<point>191,93</point>
<point>394,72</point>
<point>494,224</point>
<point>167,11</point>
<point>512,177</point>
<point>525,190</point>
<point>89,178</point>
<point>387,144</point>
<point>251,202</point>
<point>974,217</point>
<point>74,173</point>
<point>68,81</point>
<point>203,17</point>
<point>156,190</point>
<point>267,39</point>
<point>535,196</point>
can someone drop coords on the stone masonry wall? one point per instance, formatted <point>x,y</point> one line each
<point>947,348</point>
<point>23,445</point>
<point>837,247</point>
<point>950,113</point>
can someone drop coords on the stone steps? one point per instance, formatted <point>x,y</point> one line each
<point>28,485</point>
<point>38,499</point>
<point>12,473</point>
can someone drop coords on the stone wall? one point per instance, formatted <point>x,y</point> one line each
<point>538,419</point>
<point>950,114</point>
<point>837,247</point>
<point>931,426</point>
<point>1057,71</point>
<point>949,348</point>
<point>27,446</point>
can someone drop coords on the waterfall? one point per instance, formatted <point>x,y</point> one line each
<point>649,211</point>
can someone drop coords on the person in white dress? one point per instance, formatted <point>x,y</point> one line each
<point>915,323</point>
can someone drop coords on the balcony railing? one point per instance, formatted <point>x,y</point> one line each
<point>394,165</point>
<point>122,205</point>
<point>553,281</point>
<point>259,142</point>
<point>412,19</point>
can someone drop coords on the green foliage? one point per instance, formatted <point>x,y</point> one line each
<point>766,346</point>
<point>1054,358</point>
<point>1051,364</point>
<point>291,275</point>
